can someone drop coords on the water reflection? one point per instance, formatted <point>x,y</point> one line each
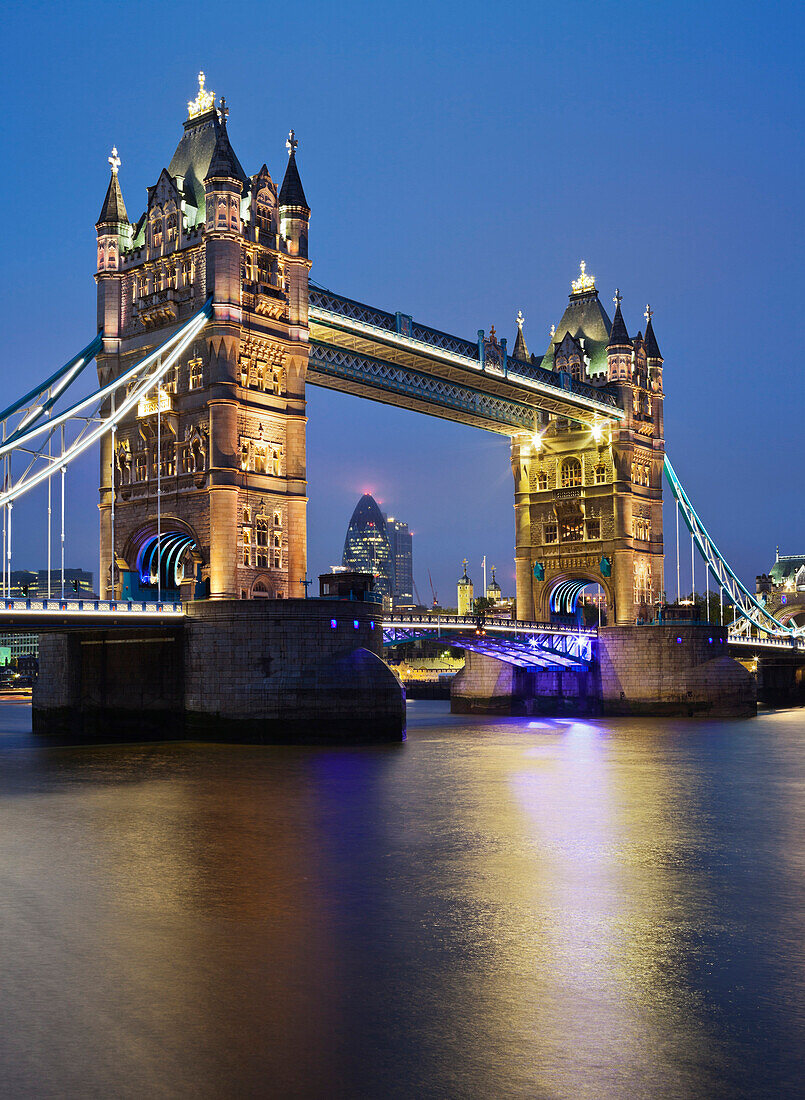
<point>520,908</point>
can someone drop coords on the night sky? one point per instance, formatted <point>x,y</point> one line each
<point>459,159</point>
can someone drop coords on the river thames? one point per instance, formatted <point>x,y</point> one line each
<point>496,908</point>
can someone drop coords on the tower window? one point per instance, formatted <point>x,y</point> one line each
<point>593,528</point>
<point>542,480</point>
<point>551,533</point>
<point>572,532</point>
<point>600,475</point>
<point>571,473</point>
<point>196,376</point>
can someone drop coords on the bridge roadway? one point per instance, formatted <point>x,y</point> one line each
<point>391,358</point>
<point>527,644</point>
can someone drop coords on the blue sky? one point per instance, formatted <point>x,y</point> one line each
<point>460,159</point>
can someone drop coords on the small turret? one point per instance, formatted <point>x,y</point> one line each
<point>113,231</point>
<point>520,348</point>
<point>652,348</point>
<point>465,593</point>
<point>294,210</point>
<point>223,189</point>
<point>113,227</point>
<point>619,348</point>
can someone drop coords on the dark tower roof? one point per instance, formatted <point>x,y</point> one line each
<point>292,193</point>
<point>652,348</point>
<point>223,163</point>
<point>520,347</point>
<point>194,154</point>
<point>619,337</point>
<point>113,209</point>
<point>584,318</point>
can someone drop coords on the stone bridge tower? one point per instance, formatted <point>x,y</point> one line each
<point>588,496</point>
<point>232,415</point>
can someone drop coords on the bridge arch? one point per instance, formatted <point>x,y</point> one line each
<point>559,595</point>
<point>174,549</point>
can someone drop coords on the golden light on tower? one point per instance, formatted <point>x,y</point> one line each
<point>584,282</point>
<point>204,101</point>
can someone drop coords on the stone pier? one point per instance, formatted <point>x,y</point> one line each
<point>272,671</point>
<point>639,670</point>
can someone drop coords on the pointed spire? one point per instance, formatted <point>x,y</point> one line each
<point>292,193</point>
<point>618,336</point>
<point>113,209</point>
<point>224,164</point>
<point>652,348</point>
<point>520,348</point>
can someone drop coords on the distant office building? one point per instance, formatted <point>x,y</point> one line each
<point>402,553</point>
<point>13,646</point>
<point>465,593</point>
<point>367,548</point>
<point>27,584</point>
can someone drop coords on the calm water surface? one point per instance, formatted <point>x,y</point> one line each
<point>513,908</point>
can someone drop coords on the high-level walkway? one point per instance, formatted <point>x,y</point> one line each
<point>389,357</point>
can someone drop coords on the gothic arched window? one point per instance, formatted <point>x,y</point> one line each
<point>571,473</point>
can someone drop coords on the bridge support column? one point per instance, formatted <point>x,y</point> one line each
<point>269,671</point>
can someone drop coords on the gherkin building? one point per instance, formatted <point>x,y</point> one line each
<point>367,548</point>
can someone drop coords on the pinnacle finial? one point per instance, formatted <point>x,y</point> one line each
<point>114,160</point>
<point>618,298</point>
<point>553,331</point>
<point>291,144</point>
<point>520,319</point>
<point>204,101</point>
<point>223,111</point>
<point>584,282</point>
<point>648,314</point>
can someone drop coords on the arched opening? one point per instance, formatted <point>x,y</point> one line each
<point>160,562</point>
<point>261,590</point>
<point>578,601</point>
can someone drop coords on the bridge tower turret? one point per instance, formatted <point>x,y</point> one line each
<point>229,424</point>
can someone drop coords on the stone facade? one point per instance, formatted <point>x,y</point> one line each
<point>588,495</point>
<point>232,414</point>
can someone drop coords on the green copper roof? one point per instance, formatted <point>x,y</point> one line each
<point>584,317</point>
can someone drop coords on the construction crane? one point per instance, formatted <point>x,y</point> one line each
<point>433,591</point>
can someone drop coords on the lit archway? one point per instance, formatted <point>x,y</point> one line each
<point>579,600</point>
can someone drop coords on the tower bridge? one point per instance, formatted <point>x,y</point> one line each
<point>209,331</point>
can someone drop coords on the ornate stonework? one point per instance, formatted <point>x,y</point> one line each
<point>232,414</point>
